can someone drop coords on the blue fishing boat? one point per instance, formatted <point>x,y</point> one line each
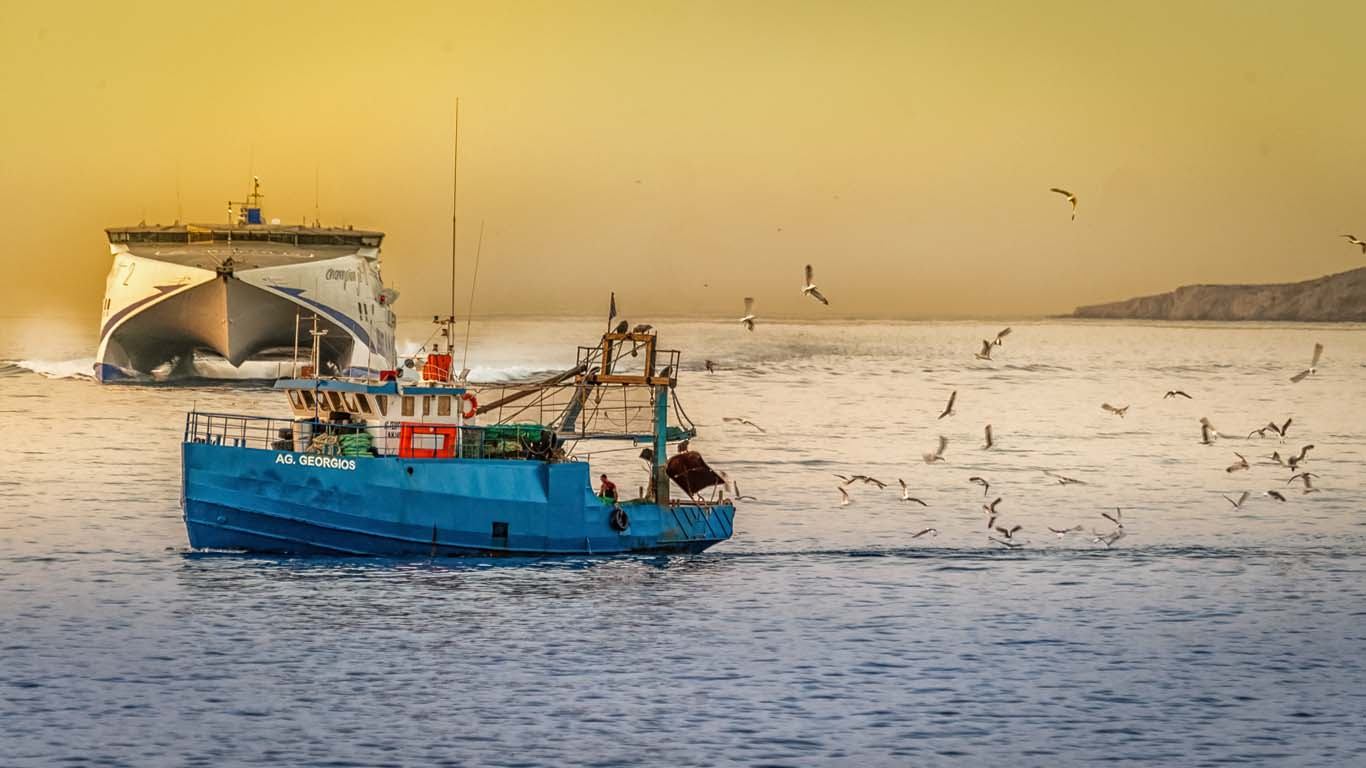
<point>411,464</point>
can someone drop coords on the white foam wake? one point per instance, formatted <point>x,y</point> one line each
<point>79,368</point>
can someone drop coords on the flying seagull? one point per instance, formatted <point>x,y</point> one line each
<point>982,481</point>
<point>1109,539</point>
<point>990,442</point>
<point>1295,461</point>
<point>1239,503</point>
<point>990,509</point>
<point>1240,464</point>
<point>1354,241</point>
<point>1061,532</point>
<point>923,531</point>
<point>748,319</point>
<point>1063,479</point>
<point>1207,432</point>
<point>738,420</point>
<point>1010,532</point>
<point>1313,365</point>
<point>1116,410</point>
<point>1176,393</point>
<point>1004,333</point>
<point>906,494</point>
<point>938,454</point>
<point>1071,198</point>
<point>1275,495</point>
<point>738,496</point>
<point>948,409</point>
<point>809,289</point>
<point>844,496</point>
<point>985,354</point>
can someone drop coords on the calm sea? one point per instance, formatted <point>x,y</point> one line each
<point>821,634</point>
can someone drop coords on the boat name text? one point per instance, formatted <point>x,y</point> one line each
<point>310,460</point>
<point>344,275</point>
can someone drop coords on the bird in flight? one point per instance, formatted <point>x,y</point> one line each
<point>938,454</point>
<point>1063,479</point>
<point>809,288</point>
<point>1294,461</point>
<point>1109,539</point>
<point>1354,241</point>
<point>1062,532</point>
<point>748,319</point>
<point>1176,393</point>
<point>1071,198</point>
<point>923,531</point>
<point>1306,478</point>
<point>1239,503</point>
<point>906,495</point>
<point>982,481</point>
<point>1004,333</point>
<point>1010,532</point>
<point>985,354</point>
<point>1239,465</point>
<point>1313,365</point>
<point>1272,427</point>
<point>738,420</point>
<point>989,442</point>
<point>844,496</point>
<point>738,496</point>
<point>948,409</point>
<point>990,510</point>
<point>1275,495</point>
<point>1207,432</point>
<point>1115,518</point>
<point>1116,410</point>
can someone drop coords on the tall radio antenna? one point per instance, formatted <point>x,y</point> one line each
<point>469,317</point>
<point>455,200</point>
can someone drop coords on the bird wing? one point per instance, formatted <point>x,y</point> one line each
<point>986,348</point>
<point>843,492</point>
<point>988,431</point>
<point>1108,407</point>
<point>1183,394</point>
<point>1014,529</point>
<point>1004,333</point>
<point>917,501</point>
<point>749,305</point>
<point>1110,517</point>
<point>1003,531</point>
<point>1297,378</point>
<point>1060,191</point>
<point>902,483</point>
<point>1318,352</point>
<point>810,274</point>
<point>1286,426</point>
<point>1242,498</point>
<point>943,444</point>
<point>922,532</point>
<point>818,296</point>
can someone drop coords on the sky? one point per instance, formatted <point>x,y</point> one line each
<point>686,155</point>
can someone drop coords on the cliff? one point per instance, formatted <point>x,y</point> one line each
<point>1334,298</point>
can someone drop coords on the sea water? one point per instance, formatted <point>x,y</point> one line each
<point>821,634</point>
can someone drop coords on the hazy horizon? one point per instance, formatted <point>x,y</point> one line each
<point>904,149</point>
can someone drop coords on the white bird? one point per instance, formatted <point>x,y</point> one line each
<point>906,494</point>
<point>923,531</point>
<point>746,422</point>
<point>749,318</point>
<point>1062,532</point>
<point>844,496</point>
<point>982,481</point>
<point>985,354</point>
<point>1239,465</point>
<point>1004,333</point>
<point>990,442</point>
<point>1110,538</point>
<point>1116,410</point>
<point>1207,432</point>
<point>1313,365</point>
<point>1063,479</point>
<point>1295,461</point>
<point>948,409</point>
<point>1071,198</point>
<point>1354,241</point>
<point>809,288</point>
<point>990,509</point>
<point>1010,532</point>
<point>1239,503</point>
<point>1176,393</point>
<point>938,454</point>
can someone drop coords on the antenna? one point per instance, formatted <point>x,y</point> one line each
<point>316,218</point>
<point>469,310</point>
<point>455,198</point>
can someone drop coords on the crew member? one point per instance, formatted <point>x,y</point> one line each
<point>607,490</point>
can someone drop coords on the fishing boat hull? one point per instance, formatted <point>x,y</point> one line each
<point>260,500</point>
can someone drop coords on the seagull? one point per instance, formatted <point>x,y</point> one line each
<point>1295,461</point>
<point>1071,198</point>
<point>1272,427</point>
<point>1240,464</point>
<point>738,496</point>
<point>1110,538</point>
<point>1275,495</point>
<point>844,496</point>
<point>1313,365</point>
<point>1207,432</point>
<point>1063,479</point>
<point>906,494</point>
<point>923,531</point>
<point>990,442</point>
<point>809,289</point>
<point>1062,532</point>
<point>938,454</point>
<point>1176,393</point>
<point>1115,518</point>
<point>1301,476</point>
<point>642,328</point>
<point>869,481</point>
<point>711,367</point>
<point>1116,410</point>
<point>948,409</point>
<point>1004,333</point>
<point>990,509</point>
<point>623,327</point>
<point>985,354</point>
<point>748,319</point>
<point>1354,241</point>
<point>1239,503</point>
<point>738,420</point>
<point>1009,533</point>
<point>982,481</point>
<point>1276,457</point>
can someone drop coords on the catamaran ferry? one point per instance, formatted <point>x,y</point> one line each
<point>425,464</point>
<point>239,291</point>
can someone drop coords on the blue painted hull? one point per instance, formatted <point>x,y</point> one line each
<point>284,502</point>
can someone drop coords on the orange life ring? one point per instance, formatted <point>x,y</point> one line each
<point>473,403</point>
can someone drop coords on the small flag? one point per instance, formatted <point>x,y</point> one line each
<point>612,313</point>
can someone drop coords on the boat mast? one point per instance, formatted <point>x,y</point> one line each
<point>455,210</point>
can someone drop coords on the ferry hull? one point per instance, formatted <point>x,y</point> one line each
<point>286,502</point>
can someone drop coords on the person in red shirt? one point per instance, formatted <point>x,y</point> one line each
<point>607,490</point>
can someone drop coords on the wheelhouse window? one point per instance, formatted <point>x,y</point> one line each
<point>383,403</point>
<point>443,405</point>
<point>364,403</point>
<point>407,405</point>
<point>426,405</point>
<point>308,398</point>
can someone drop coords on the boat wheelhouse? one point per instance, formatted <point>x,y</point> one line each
<point>422,468</point>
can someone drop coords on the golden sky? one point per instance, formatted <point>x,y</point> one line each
<point>688,154</point>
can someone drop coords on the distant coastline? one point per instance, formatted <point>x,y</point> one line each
<point>1332,298</point>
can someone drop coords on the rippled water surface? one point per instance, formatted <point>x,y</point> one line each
<point>820,635</point>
